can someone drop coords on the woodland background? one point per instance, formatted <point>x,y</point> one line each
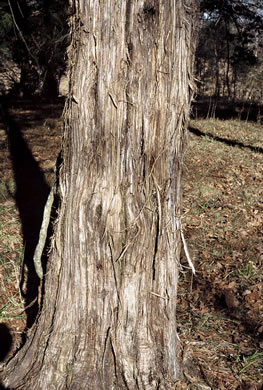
<point>220,311</point>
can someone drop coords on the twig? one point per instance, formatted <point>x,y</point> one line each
<point>25,308</point>
<point>186,252</point>
<point>157,295</point>
<point>188,257</point>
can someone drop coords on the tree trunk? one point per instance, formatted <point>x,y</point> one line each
<point>108,316</point>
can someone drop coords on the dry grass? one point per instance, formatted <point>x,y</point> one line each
<point>11,258</point>
<point>11,261</point>
<point>220,310</point>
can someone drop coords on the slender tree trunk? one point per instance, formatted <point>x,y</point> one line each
<point>108,317</point>
<point>228,66</point>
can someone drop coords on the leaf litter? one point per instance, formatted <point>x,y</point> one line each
<point>220,309</point>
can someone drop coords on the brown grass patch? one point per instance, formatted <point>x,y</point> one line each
<point>220,310</point>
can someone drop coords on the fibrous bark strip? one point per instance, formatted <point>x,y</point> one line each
<point>109,313</point>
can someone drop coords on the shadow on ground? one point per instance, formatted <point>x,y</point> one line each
<point>5,345</point>
<point>30,196</point>
<point>226,141</point>
<point>5,341</point>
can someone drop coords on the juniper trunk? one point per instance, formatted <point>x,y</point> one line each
<point>108,315</point>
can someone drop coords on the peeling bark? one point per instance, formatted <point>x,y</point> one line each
<point>108,319</point>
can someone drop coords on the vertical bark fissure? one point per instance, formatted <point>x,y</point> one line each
<point>115,273</point>
<point>155,247</point>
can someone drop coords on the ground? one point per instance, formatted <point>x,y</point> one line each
<point>220,308</point>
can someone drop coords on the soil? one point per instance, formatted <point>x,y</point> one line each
<point>220,308</point>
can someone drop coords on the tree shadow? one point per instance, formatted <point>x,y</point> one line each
<point>5,341</point>
<point>238,315</point>
<point>226,141</point>
<point>214,300</point>
<point>30,196</point>
<point>5,345</point>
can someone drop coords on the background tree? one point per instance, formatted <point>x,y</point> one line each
<point>229,47</point>
<point>108,313</point>
<point>34,37</point>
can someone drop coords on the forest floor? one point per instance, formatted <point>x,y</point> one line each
<point>220,308</point>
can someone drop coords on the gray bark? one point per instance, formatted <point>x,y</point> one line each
<point>109,313</point>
